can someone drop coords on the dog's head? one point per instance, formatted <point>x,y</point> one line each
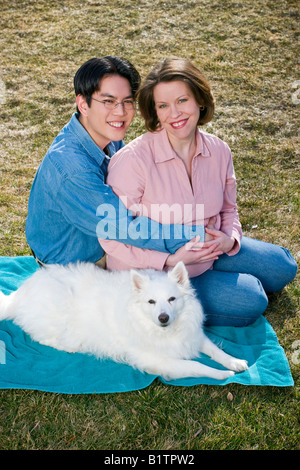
<point>161,295</point>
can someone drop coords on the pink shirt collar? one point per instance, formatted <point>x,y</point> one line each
<point>163,150</point>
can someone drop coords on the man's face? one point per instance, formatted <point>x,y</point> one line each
<point>105,125</point>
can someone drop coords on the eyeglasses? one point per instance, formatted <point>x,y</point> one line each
<point>111,104</point>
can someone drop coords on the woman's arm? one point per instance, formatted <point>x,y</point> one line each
<point>230,232</point>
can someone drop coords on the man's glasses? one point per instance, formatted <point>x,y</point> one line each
<point>111,104</point>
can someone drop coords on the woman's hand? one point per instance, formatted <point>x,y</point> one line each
<point>225,243</point>
<point>194,252</point>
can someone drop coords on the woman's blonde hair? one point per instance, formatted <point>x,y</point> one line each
<point>170,70</point>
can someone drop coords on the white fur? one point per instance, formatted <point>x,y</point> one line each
<point>83,308</point>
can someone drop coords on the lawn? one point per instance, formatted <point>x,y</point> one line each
<point>249,51</point>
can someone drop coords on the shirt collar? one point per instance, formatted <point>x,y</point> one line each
<point>87,142</point>
<point>165,152</point>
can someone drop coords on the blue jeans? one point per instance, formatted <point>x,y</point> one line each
<point>234,292</point>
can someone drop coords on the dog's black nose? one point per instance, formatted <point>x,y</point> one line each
<point>163,318</point>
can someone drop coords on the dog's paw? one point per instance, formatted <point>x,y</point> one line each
<point>238,365</point>
<point>224,374</point>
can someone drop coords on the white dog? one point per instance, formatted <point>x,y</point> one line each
<point>148,319</point>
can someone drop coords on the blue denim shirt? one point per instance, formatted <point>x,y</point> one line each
<point>65,217</point>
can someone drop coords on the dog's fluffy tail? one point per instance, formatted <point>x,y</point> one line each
<point>5,301</point>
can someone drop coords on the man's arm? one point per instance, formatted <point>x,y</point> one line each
<point>92,206</point>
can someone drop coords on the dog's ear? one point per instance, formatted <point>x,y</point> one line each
<point>138,280</point>
<point>179,274</point>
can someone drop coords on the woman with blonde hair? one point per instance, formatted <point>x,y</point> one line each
<point>176,173</point>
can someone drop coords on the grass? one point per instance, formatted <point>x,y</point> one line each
<point>249,53</point>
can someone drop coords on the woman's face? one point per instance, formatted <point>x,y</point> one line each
<point>177,109</point>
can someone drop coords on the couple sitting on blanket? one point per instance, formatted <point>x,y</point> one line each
<point>178,183</point>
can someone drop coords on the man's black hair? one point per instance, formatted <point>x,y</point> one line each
<point>88,77</point>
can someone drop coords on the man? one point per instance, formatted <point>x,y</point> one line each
<point>64,210</point>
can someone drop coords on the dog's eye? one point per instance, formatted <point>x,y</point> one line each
<point>151,301</point>
<point>171,299</point>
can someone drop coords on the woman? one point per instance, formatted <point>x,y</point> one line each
<point>176,173</point>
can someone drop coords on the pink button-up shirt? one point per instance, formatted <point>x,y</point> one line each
<point>152,181</point>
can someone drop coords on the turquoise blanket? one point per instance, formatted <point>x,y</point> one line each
<point>25,364</point>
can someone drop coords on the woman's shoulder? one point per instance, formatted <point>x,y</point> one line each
<point>141,142</point>
<point>214,145</point>
<point>212,139</point>
<point>138,150</point>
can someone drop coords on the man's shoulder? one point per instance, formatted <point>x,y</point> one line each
<point>66,137</point>
<point>68,153</point>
